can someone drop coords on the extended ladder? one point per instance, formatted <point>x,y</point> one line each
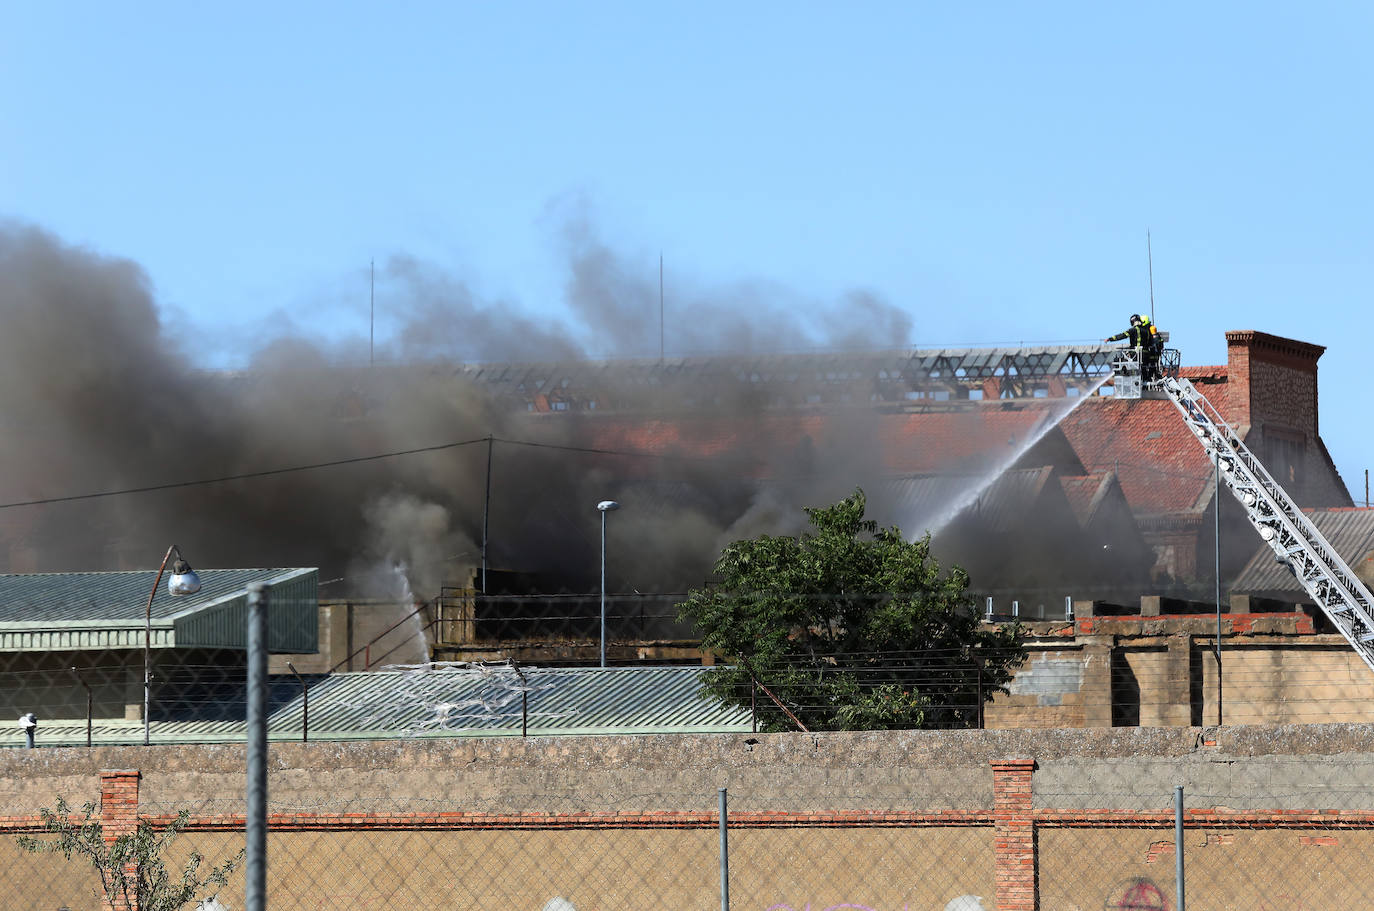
<point>1294,539</point>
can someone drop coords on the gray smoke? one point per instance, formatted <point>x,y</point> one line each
<point>98,393</point>
<point>622,305</point>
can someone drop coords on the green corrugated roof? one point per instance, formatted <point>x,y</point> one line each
<point>77,611</point>
<point>446,701</point>
<point>440,700</point>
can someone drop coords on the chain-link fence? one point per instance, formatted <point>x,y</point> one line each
<point>1288,833</point>
<point>364,853</point>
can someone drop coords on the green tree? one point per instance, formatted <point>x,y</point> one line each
<point>150,886</point>
<point>850,628</point>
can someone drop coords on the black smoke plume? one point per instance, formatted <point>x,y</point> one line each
<point>98,393</point>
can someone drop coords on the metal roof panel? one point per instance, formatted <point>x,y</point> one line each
<point>1349,531</point>
<point>434,701</point>
<point>46,611</point>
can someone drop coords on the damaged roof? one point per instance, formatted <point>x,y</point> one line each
<point>440,700</point>
<point>973,437</point>
<point>793,378</point>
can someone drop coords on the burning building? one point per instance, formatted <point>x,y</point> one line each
<point>456,462</point>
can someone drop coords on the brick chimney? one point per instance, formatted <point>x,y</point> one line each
<point>1272,393</point>
<point>1273,381</point>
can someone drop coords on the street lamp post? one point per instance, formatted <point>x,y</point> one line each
<point>604,507</point>
<point>183,581</point>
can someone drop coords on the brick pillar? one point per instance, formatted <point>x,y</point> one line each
<point>119,816</point>
<point>1014,839</point>
<point>1097,678</point>
<point>1177,710</point>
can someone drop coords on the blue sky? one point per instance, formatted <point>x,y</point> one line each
<point>989,170</point>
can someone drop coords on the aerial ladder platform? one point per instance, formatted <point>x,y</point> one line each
<point>1292,536</point>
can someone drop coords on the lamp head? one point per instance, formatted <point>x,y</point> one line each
<point>183,580</point>
<point>608,505</point>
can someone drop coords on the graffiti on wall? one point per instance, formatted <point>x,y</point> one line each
<point>1137,895</point>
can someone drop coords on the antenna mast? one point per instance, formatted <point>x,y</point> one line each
<point>660,308</point>
<point>1150,259</point>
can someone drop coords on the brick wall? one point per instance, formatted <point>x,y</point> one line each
<point>1014,843</point>
<point>1160,671</point>
<point>119,810</point>
<point>1088,824</point>
<point>1280,375</point>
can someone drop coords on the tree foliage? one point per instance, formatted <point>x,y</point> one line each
<point>148,884</point>
<point>850,627</point>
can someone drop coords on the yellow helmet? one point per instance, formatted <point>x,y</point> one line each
<point>1145,320</point>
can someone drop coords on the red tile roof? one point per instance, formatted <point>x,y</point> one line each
<point>1160,466</point>
<point>962,441</point>
<point>1082,491</point>
<point>972,438</point>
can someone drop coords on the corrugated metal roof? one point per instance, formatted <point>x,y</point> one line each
<point>431,701</point>
<point>47,611</point>
<point>437,700</point>
<point>1349,531</point>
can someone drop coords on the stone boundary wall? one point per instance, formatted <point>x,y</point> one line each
<point>1010,791</point>
<point>1250,767</point>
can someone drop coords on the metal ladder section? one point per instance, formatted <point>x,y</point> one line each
<point>1295,540</point>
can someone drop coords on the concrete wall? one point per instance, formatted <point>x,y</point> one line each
<point>1161,670</point>
<point>356,634</point>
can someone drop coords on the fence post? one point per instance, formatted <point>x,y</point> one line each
<point>980,695</point>
<point>1014,836</point>
<point>524,698</point>
<point>119,816</point>
<point>255,822</point>
<point>1179,891</point>
<point>724,857</point>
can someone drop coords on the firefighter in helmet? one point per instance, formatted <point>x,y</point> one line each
<point>1144,336</point>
